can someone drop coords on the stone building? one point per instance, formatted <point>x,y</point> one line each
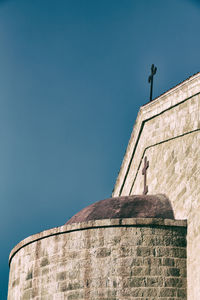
<point>167,131</point>
<point>130,246</point>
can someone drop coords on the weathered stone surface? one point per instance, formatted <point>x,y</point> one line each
<point>135,206</point>
<point>115,259</point>
<point>167,131</point>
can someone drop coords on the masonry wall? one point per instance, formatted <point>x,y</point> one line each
<point>108,259</point>
<point>167,131</point>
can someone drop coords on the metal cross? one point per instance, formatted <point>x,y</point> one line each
<point>144,172</point>
<point>150,80</point>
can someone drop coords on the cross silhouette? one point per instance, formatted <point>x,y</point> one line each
<point>144,172</point>
<point>150,80</point>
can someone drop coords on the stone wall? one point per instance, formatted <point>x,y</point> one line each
<point>107,259</point>
<point>167,131</point>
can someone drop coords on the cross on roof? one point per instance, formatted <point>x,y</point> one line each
<point>144,172</point>
<point>150,79</point>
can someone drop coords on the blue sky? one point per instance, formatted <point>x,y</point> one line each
<point>73,74</point>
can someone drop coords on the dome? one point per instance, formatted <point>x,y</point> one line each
<point>135,206</point>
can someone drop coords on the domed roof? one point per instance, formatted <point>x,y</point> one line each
<point>135,206</point>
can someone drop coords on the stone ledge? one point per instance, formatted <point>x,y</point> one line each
<point>129,222</point>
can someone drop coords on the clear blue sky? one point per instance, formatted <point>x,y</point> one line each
<point>73,74</point>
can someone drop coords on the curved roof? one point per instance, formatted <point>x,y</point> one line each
<point>135,206</point>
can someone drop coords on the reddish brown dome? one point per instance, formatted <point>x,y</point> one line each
<point>136,206</point>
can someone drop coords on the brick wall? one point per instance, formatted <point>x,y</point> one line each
<point>107,259</point>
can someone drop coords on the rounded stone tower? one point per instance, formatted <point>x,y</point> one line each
<point>119,248</point>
